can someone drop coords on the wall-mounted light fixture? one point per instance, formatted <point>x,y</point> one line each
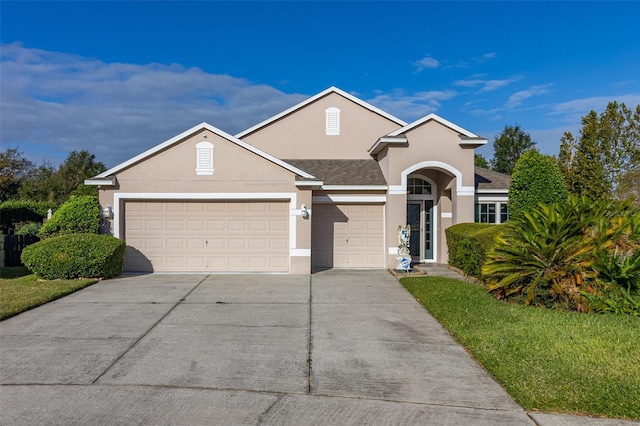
<point>304,212</point>
<point>107,212</point>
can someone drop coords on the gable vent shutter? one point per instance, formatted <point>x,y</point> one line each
<point>332,121</point>
<point>204,158</point>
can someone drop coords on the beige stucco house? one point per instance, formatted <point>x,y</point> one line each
<point>324,184</point>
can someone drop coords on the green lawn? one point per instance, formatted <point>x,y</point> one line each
<point>547,360</point>
<point>20,291</point>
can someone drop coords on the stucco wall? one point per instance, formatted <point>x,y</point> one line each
<point>302,135</point>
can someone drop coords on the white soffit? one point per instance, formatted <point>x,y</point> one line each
<point>384,141</point>
<point>312,99</point>
<point>166,144</point>
<point>107,181</point>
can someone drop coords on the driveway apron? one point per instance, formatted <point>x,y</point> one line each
<point>337,347</point>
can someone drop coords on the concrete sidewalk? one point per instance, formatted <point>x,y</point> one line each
<point>339,347</point>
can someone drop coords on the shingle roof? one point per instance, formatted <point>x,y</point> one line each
<point>342,172</point>
<point>490,180</point>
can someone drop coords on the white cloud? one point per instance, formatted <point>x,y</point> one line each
<point>411,106</point>
<point>486,85</point>
<point>575,109</point>
<point>486,57</point>
<point>517,98</point>
<point>54,103</point>
<point>426,62</point>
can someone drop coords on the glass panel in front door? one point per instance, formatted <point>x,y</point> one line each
<point>413,219</point>
<point>428,229</point>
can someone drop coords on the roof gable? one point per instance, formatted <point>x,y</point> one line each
<point>398,137</point>
<point>202,126</point>
<point>438,119</point>
<point>312,99</point>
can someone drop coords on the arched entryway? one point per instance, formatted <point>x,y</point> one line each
<point>422,217</point>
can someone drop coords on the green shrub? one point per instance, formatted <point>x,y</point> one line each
<point>615,301</point>
<point>536,179</point>
<point>29,228</point>
<point>469,244</point>
<point>76,216</point>
<point>16,212</point>
<point>75,256</point>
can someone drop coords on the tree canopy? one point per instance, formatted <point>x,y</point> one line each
<point>20,179</point>
<point>604,160</point>
<point>14,169</point>
<point>480,161</point>
<point>508,146</point>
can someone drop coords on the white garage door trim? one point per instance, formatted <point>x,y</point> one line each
<point>120,197</point>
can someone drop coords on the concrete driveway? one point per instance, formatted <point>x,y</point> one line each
<point>331,348</point>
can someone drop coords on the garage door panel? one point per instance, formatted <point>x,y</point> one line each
<point>195,207</point>
<point>278,244</point>
<point>153,225</point>
<point>347,236</point>
<point>216,225</point>
<point>207,236</point>
<point>174,243</point>
<point>154,243</point>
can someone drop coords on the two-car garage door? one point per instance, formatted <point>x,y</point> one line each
<point>217,236</point>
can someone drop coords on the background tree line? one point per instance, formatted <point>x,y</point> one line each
<point>20,179</point>
<point>601,162</point>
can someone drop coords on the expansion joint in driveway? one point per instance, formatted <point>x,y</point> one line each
<point>310,342</point>
<point>182,299</point>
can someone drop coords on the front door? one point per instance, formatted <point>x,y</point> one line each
<point>420,218</point>
<point>414,213</point>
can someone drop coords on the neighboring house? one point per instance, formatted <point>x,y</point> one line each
<point>492,195</point>
<point>324,184</point>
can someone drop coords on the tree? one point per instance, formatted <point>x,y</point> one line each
<point>508,147</point>
<point>628,187</point>
<point>604,158</point>
<point>536,179</point>
<point>14,168</point>
<point>76,168</point>
<point>480,161</point>
<point>42,184</point>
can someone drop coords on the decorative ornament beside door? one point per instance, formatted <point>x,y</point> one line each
<point>403,259</point>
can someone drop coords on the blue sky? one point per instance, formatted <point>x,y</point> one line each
<point>117,78</point>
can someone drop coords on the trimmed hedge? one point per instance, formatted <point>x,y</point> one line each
<point>469,244</point>
<point>15,212</point>
<point>75,256</point>
<point>79,214</point>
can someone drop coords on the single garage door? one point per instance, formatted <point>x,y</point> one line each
<point>177,236</point>
<point>347,236</point>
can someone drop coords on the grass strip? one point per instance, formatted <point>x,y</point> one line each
<point>20,293</point>
<point>547,360</point>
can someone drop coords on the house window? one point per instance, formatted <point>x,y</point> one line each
<point>418,186</point>
<point>332,120</point>
<point>492,212</point>
<point>504,213</point>
<point>204,158</point>
<point>486,212</point>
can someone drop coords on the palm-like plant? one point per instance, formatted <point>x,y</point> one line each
<point>558,253</point>
<point>546,254</point>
